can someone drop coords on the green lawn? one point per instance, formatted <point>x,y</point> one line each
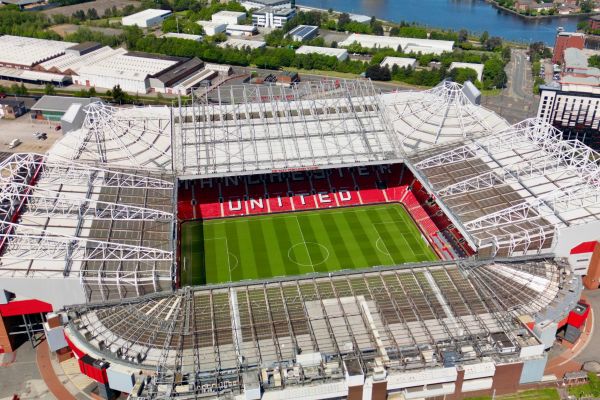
<point>535,394</point>
<point>257,247</point>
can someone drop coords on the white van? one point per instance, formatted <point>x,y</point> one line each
<point>14,143</point>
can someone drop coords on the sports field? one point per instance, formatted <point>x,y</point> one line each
<point>257,247</point>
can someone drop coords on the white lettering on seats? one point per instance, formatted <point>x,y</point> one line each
<point>238,206</point>
<point>324,198</point>
<point>345,195</point>
<point>256,203</point>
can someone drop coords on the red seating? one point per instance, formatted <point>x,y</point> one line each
<point>306,190</point>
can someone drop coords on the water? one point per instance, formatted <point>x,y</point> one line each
<point>474,15</point>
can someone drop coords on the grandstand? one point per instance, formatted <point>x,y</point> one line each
<point>125,212</point>
<point>399,326</point>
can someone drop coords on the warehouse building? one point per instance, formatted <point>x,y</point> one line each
<point>256,4</point>
<point>52,108</point>
<point>229,17</point>
<point>146,19</point>
<point>408,45</point>
<point>243,44</point>
<point>272,17</point>
<point>129,70</point>
<point>24,53</point>
<point>241,30</point>
<point>165,81</point>
<point>340,54</point>
<point>303,32</point>
<point>478,68</point>
<point>212,28</point>
<point>401,62</point>
<point>185,36</point>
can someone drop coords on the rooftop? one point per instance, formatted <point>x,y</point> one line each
<point>423,45</point>
<point>327,51</point>
<point>186,36</point>
<point>242,43</point>
<point>30,51</point>
<point>319,328</point>
<point>302,30</point>
<point>279,11</point>
<point>58,103</point>
<point>147,14</point>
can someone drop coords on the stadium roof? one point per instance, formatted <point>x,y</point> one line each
<point>404,320</point>
<point>435,117</point>
<point>515,189</point>
<point>108,229</point>
<point>26,51</point>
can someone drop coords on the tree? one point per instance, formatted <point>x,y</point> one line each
<point>463,36</point>
<point>494,75</point>
<point>594,61</point>
<point>493,43</point>
<point>49,89</point>
<point>378,73</point>
<point>118,95</point>
<point>586,6</point>
<point>484,37</point>
<point>343,20</point>
<point>461,75</point>
<point>92,13</point>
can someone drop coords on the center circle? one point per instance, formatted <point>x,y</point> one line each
<point>315,252</point>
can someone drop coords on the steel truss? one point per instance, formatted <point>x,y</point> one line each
<point>109,137</point>
<point>62,171</point>
<point>542,152</point>
<point>263,128</point>
<point>51,203</point>
<point>438,105</point>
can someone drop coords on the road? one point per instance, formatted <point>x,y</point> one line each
<point>516,102</point>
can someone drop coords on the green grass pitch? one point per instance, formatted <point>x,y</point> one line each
<point>265,246</point>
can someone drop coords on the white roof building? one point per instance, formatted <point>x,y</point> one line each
<point>186,36</point>
<point>26,52</point>
<point>243,44</point>
<point>340,54</point>
<point>363,19</point>
<point>241,30</point>
<point>146,18</point>
<point>475,67</point>
<point>401,62</point>
<point>425,46</point>
<point>228,17</point>
<point>128,71</point>
<point>212,28</point>
<point>71,63</point>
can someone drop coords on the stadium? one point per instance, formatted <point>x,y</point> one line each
<point>320,241</point>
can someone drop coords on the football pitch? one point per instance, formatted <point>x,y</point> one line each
<point>265,246</point>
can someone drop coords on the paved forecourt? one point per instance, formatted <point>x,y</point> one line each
<point>265,246</point>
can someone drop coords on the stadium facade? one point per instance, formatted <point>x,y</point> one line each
<point>99,217</point>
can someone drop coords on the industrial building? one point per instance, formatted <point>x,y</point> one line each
<point>146,19</point>
<point>272,17</point>
<point>340,54</point>
<point>303,32</point>
<point>478,68</point>
<point>241,30</point>
<point>243,44</point>
<point>401,62</point>
<point>229,17</point>
<point>23,52</point>
<point>53,108</point>
<point>256,4</point>
<point>212,28</point>
<point>12,109</point>
<point>186,36</point>
<point>408,45</point>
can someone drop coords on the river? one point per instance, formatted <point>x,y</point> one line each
<point>474,15</point>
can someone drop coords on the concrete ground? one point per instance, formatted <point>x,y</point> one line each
<point>591,352</point>
<point>516,102</point>
<point>20,375</point>
<point>24,128</point>
<point>67,29</point>
<point>99,5</point>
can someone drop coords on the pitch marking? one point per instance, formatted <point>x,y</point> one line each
<point>305,245</point>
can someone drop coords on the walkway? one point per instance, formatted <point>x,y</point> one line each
<point>44,364</point>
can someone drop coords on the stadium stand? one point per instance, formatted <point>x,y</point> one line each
<point>308,190</point>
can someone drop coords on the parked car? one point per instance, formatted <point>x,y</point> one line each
<point>58,127</point>
<point>14,143</point>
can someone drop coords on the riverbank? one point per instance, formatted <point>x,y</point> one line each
<point>496,5</point>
